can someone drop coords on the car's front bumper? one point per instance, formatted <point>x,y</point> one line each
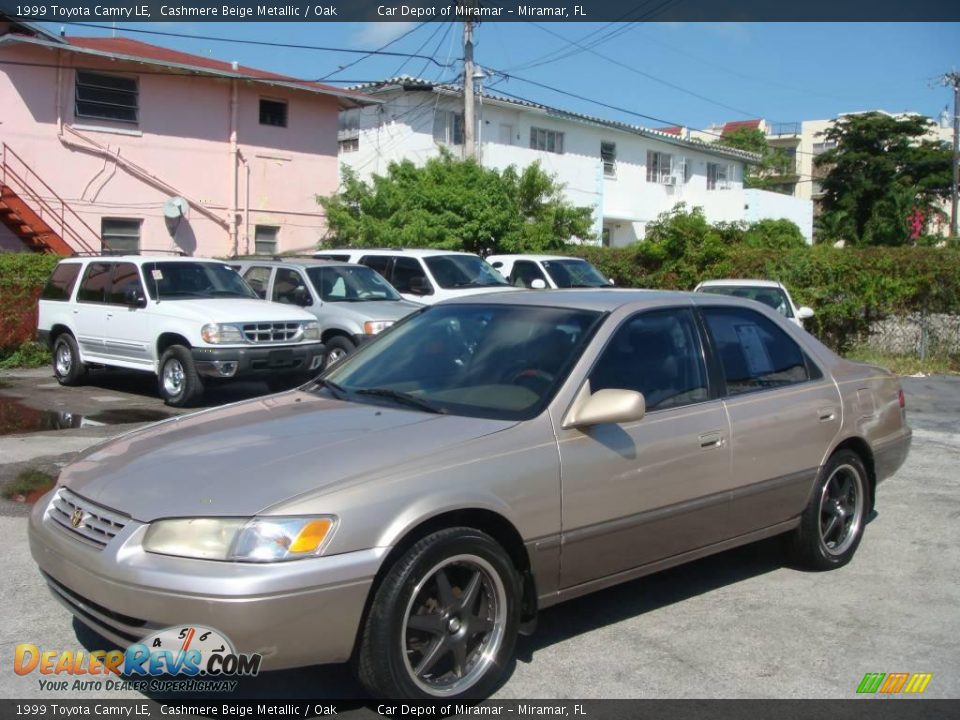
<point>295,613</point>
<point>257,361</point>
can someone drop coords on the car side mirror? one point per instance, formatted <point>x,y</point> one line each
<point>611,281</point>
<point>605,407</point>
<point>301,296</point>
<point>419,285</point>
<point>538,284</point>
<point>805,313</point>
<point>135,298</point>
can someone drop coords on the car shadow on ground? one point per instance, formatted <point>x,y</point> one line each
<point>555,624</point>
<point>216,392</point>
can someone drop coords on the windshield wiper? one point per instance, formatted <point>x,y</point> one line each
<point>331,385</point>
<point>402,397</point>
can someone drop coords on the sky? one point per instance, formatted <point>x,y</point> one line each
<point>691,74</point>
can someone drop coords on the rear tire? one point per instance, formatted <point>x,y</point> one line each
<point>178,381</point>
<point>443,623</point>
<point>67,367</point>
<point>832,525</point>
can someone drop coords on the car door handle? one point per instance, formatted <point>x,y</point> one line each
<point>826,414</point>
<point>711,440</point>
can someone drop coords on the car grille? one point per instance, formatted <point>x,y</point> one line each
<point>85,520</point>
<point>271,332</point>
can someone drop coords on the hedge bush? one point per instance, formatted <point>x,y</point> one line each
<point>22,277</point>
<point>849,288</point>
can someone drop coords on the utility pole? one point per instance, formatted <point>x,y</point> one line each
<point>953,78</point>
<point>469,149</point>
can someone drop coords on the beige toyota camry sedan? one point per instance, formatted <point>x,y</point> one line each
<point>413,509</point>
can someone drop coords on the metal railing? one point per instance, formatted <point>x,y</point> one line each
<point>49,207</point>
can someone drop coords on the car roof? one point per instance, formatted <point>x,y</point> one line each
<point>293,262</point>
<point>740,283</point>
<point>529,256</point>
<point>412,252</point>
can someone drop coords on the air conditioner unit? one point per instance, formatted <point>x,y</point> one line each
<point>668,180</point>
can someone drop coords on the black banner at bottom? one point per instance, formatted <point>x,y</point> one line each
<point>855,709</point>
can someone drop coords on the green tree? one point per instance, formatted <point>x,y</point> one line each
<point>774,164</point>
<point>881,169</point>
<point>456,205</point>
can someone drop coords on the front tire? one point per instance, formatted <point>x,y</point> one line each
<point>443,623</point>
<point>67,367</point>
<point>178,381</point>
<point>831,527</point>
<point>338,347</point>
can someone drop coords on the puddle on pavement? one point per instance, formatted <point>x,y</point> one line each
<point>15,417</point>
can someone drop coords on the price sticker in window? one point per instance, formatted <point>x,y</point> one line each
<point>156,274</point>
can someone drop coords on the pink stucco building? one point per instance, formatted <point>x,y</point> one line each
<point>99,135</point>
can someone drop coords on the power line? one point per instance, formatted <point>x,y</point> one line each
<point>263,43</point>
<point>378,50</point>
<point>430,37</point>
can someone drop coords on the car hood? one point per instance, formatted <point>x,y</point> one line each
<point>464,291</point>
<point>224,310</point>
<point>360,312</point>
<point>241,459</point>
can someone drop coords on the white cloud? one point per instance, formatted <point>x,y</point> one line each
<point>373,35</point>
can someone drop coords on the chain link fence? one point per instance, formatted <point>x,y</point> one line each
<point>922,335</point>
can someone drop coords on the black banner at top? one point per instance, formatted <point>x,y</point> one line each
<point>482,10</point>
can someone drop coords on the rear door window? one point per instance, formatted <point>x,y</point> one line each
<point>62,281</point>
<point>755,354</point>
<point>96,280</point>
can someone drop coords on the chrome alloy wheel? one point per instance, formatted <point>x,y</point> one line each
<point>841,509</point>
<point>173,377</point>
<point>454,625</point>
<point>335,355</point>
<point>63,360</point>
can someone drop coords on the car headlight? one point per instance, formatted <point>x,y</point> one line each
<point>217,333</point>
<point>372,327</point>
<point>263,539</point>
<point>311,330</point>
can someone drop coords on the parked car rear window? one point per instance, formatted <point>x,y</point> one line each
<point>772,297</point>
<point>495,361</point>
<point>192,280</point>
<point>62,281</point>
<point>455,271</point>
<point>754,352</point>
<point>96,280</point>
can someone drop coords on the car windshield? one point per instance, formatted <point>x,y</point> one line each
<point>457,271</point>
<point>350,283</point>
<point>192,280</point>
<point>493,361</point>
<point>771,296</point>
<point>574,273</point>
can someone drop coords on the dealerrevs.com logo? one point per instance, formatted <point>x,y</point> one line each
<point>189,658</point>
<point>893,683</point>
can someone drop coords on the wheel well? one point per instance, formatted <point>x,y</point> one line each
<point>56,331</point>
<point>861,448</point>
<point>167,339</point>
<point>487,521</point>
<point>335,332</point>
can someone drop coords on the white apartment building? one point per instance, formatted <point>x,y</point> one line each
<point>627,174</point>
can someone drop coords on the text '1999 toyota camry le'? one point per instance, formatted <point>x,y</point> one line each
<point>414,508</point>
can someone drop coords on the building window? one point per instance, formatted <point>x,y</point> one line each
<point>106,97</point>
<point>719,176</point>
<point>547,140</point>
<point>273,112</point>
<point>608,154</point>
<point>659,167</point>
<point>121,234</point>
<point>348,145</point>
<point>265,239</point>
<point>448,127</point>
<point>821,147</point>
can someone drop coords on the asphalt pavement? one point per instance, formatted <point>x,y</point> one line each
<point>741,624</point>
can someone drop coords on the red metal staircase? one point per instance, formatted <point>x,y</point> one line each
<point>42,220</point>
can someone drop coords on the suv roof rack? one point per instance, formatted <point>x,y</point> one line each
<point>107,252</point>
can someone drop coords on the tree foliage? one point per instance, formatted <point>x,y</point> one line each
<point>456,205</point>
<point>881,171</point>
<point>773,165</point>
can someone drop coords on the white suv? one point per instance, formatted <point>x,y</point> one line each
<point>179,318</point>
<point>427,276</point>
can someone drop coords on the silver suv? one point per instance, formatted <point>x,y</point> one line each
<point>352,302</point>
<point>182,319</point>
